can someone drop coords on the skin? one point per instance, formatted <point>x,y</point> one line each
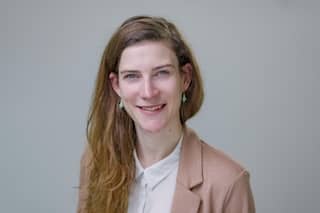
<point>150,84</point>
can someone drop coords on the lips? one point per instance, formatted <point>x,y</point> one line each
<point>152,108</point>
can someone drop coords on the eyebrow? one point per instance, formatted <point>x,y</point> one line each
<point>162,66</point>
<point>153,69</point>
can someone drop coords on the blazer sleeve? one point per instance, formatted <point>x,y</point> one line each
<point>83,182</point>
<point>239,196</point>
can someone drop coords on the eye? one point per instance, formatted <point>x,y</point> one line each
<point>131,76</point>
<point>162,73</point>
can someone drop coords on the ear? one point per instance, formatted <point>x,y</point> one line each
<point>186,76</point>
<point>113,77</point>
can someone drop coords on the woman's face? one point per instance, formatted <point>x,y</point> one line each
<point>150,85</point>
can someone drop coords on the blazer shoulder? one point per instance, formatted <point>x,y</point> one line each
<point>219,167</point>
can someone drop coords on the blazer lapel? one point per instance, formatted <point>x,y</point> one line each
<point>185,200</point>
<point>189,175</point>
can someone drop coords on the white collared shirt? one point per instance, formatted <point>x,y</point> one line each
<point>153,189</point>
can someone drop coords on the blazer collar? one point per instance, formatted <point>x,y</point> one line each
<point>189,174</point>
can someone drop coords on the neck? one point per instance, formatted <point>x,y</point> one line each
<point>153,147</point>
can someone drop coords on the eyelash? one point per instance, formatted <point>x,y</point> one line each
<point>162,72</point>
<point>132,76</point>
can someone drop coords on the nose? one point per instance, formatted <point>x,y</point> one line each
<point>149,89</point>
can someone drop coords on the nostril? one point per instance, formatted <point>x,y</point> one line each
<point>149,91</point>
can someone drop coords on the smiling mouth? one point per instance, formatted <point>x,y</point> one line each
<point>153,108</point>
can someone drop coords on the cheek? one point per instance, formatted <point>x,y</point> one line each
<point>128,92</point>
<point>175,88</point>
<point>173,92</point>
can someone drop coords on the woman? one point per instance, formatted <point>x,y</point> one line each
<point>141,156</point>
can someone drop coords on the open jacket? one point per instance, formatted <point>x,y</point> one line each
<point>208,181</point>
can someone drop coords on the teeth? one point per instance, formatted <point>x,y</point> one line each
<point>153,108</point>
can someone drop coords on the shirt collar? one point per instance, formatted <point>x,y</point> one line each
<point>157,172</point>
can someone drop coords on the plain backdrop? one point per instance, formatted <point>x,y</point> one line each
<point>260,62</point>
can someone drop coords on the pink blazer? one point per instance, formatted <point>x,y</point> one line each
<point>208,181</point>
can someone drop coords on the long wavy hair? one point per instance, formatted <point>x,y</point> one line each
<point>111,132</point>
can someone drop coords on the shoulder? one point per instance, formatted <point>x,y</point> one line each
<point>219,167</point>
<point>221,182</point>
<point>84,179</point>
<point>86,158</point>
<point>225,180</point>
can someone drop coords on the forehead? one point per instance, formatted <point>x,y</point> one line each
<point>146,55</point>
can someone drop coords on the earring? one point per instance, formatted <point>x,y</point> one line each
<point>121,104</point>
<point>184,98</point>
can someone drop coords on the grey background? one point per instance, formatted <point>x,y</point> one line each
<point>260,64</point>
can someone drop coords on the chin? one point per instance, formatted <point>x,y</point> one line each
<point>152,127</point>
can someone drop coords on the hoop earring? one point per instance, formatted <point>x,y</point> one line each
<point>120,105</point>
<point>184,98</point>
